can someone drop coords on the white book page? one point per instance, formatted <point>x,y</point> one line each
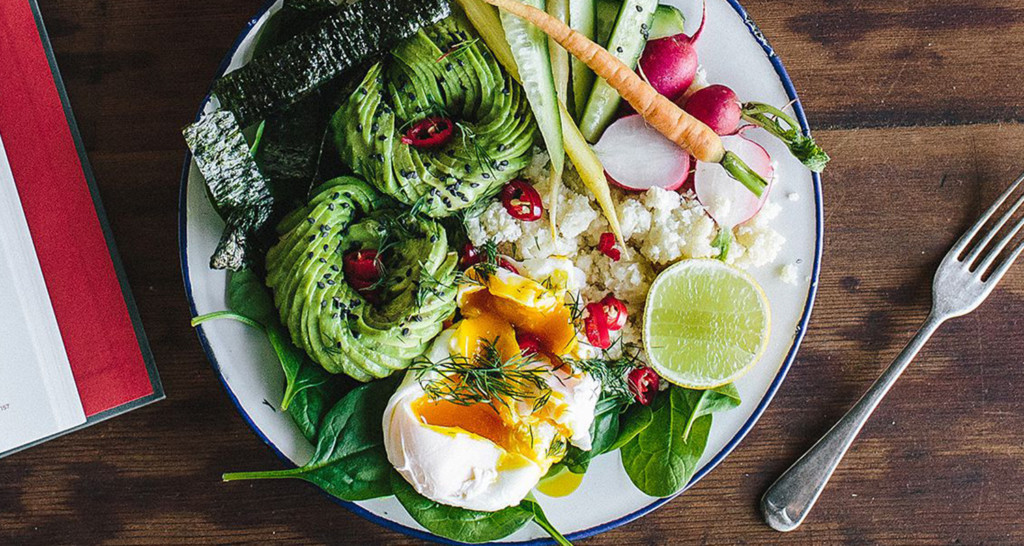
<point>38,396</point>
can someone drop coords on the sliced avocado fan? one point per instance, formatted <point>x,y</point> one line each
<point>443,70</point>
<point>336,325</point>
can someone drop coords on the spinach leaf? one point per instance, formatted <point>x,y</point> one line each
<point>633,421</point>
<point>531,504</point>
<point>458,523</point>
<point>350,462</point>
<point>661,459</point>
<point>603,434</point>
<point>316,392</point>
<point>248,296</point>
<point>711,401</point>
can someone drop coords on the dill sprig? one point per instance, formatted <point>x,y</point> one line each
<point>612,372</point>
<point>481,155</point>
<point>431,285</point>
<point>487,378</point>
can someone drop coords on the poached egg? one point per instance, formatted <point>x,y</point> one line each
<point>489,455</point>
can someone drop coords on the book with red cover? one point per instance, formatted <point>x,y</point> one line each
<point>105,345</point>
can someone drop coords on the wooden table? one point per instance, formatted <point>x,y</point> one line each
<point>919,104</point>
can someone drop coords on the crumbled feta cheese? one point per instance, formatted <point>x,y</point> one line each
<point>660,227</point>
<point>793,196</point>
<point>634,220</point>
<point>494,223</point>
<point>788,274</point>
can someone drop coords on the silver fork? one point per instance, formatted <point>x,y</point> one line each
<point>959,287</point>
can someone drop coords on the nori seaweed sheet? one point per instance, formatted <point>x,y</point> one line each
<point>287,73</point>
<point>315,6</point>
<point>238,189</point>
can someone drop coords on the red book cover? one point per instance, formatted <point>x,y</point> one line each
<point>99,324</point>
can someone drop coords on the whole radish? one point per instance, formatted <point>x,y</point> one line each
<point>718,107</point>
<point>669,64</point>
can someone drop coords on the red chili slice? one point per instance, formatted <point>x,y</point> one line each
<point>361,265</point>
<point>606,245</point>
<point>644,384</point>
<point>522,201</point>
<point>616,311</point>
<point>595,325</point>
<point>429,133</point>
<point>529,344</point>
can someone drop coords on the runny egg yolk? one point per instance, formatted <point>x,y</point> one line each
<point>494,308</point>
<point>524,304</point>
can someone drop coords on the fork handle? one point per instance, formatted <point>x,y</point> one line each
<point>788,501</point>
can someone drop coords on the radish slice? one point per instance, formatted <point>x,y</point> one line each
<point>728,201</point>
<point>637,157</point>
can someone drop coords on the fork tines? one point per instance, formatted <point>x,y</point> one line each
<point>986,249</point>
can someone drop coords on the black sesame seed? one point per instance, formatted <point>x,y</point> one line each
<point>323,304</point>
<point>335,195</point>
<point>309,256</point>
<point>334,268</point>
<point>474,184</point>
<point>639,8</point>
<point>405,331</point>
<point>330,206</point>
<point>485,176</point>
<point>382,138</point>
<point>330,283</point>
<point>359,127</point>
<point>311,220</point>
<point>312,238</point>
<point>433,238</point>
<point>321,286</point>
<point>322,260</point>
<point>619,49</point>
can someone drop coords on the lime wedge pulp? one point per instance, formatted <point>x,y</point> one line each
<point>705,323</point>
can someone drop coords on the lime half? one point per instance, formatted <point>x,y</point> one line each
<point>705,323</point>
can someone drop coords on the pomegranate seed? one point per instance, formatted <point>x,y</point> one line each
<point>470,256</point>
<point>644,384</point>
<point>616,311</point>
<point>606,245</point>
<point>529,344</point>
<point>522,201</point>
<point>595,325</point>
<point>429,133</point>
<point>361,265</point>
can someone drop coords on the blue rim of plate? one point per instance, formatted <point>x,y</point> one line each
<point>801,329</point>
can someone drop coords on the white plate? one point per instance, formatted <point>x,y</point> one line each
<point>733,52</point>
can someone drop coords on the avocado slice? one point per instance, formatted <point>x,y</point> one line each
<point>336,325</point>
<point>442,70</point>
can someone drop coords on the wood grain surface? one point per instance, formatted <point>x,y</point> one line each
<point>919,104</point>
